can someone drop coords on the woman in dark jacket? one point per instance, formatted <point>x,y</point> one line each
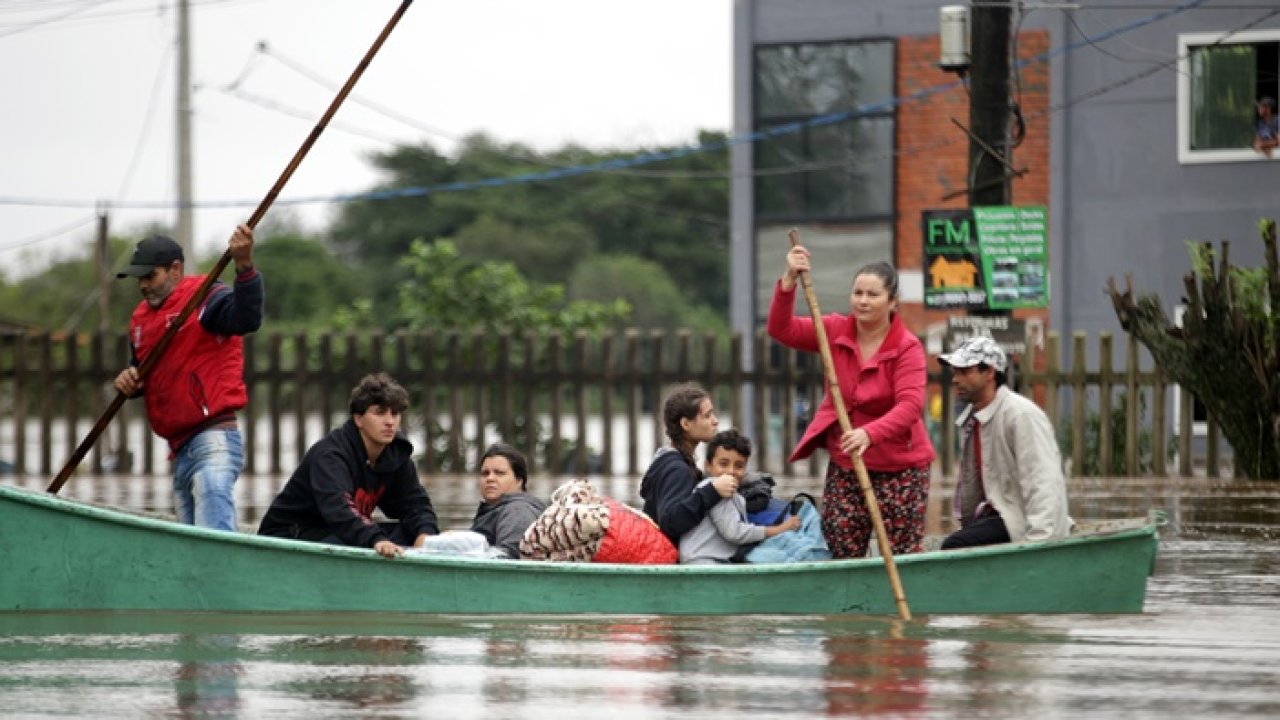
<point>672,498</point>
<point>506,510</point>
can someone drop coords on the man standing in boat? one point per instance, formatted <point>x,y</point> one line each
<point>364,464</point>
<point>193,392</point>
<point>1010,486</point>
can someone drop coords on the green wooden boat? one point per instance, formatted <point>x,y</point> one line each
<point>64,555</point>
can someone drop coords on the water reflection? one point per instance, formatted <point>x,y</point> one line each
<point>354,672</point>
<point>876,674</point>
<point>207,678</point>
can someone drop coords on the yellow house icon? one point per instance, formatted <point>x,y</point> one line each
<point>959,274</point>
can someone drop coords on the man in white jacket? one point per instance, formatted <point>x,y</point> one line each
<point>1010,486</point>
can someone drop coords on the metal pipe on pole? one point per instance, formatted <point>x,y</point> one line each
<point>185,229</point>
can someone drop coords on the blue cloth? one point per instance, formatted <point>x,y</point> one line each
<point>775,511</point>
<point>800,545</point>
<point>204,478</point>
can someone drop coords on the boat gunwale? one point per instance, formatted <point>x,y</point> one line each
<point>1110,530</point>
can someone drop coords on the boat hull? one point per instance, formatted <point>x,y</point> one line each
<point>61,555</point>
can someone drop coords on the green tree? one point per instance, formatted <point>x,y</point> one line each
<point>447,292</point>
<point>305,283</point>
<point>673,213</point>
<point>655,300</point>
<point>1227,351</point>
<point>64,296</point>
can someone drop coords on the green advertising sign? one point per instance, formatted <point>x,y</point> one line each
<point>986,258</point>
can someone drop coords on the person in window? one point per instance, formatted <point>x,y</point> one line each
<point>1267,130</point>
<point>506,510</point>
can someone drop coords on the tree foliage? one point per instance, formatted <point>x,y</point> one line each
<point>1226,350</point>
<point>672,213</point>
<point>444,291</point>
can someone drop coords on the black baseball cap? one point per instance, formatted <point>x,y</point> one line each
<point>156,251</point>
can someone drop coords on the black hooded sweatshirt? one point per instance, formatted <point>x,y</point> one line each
<point>671,494</point>
<point>334,492</point>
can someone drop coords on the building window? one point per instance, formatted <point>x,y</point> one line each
<point>1220,80</point>
<point>831,177</point>
<point>837,171</point>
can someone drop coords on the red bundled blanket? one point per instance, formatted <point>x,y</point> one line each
<point>581,526</point>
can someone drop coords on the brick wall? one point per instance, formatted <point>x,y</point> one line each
<point>933,154</point>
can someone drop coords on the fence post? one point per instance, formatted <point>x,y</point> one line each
<point>1186,414</point>
<point>455,451</point>
<point>327,382</point>
<point>20,404</point>
<point>630,384</point>
<point>1157,424</point>
<point>606,401</point>
<point>658,338</point>
<point>300,385</point>
<point>427,348</point>
<point>1079,403</point>
<point>1131,408</point>
<point>735,380</point>
<point>580,399</point>
<point>762,401</point>
<point>72,349</point>
<point>274,375</point>
<point>506,387</point>
<point>479,366</point>
<point>553,391</point>
<point>1211,459</point>
<point>530,407</point>
<point>46,403</point>
<point>97,371</point>
<point>1105,443</point>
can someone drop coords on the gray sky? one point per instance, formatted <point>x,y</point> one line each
<point>88,92</point>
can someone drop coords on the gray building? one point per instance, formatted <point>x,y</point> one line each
<point>1152,120</point>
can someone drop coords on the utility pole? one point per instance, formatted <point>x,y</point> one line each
<point>186,222</point>
<point>104,273</point>
<point>989,111</point>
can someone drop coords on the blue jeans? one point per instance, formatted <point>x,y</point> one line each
<point>204,478</point>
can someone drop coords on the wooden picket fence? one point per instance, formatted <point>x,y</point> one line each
<point>575,404</point>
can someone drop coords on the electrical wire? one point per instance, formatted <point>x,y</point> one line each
<point>48,234</point>
<point>559,173</point>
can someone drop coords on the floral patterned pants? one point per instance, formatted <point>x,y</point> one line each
<point>902,497</point>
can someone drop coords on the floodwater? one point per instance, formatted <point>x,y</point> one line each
<point>1208,645</point>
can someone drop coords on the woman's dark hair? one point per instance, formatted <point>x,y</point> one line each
<point>378,389</point>
<point>885,272</point>
<point>682,403</point>
<point>519,466</point>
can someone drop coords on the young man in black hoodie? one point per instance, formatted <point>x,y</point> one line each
<point>364,464</point>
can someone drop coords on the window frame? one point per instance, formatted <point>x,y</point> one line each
<point>761,123</point>
<point>1186,41</point>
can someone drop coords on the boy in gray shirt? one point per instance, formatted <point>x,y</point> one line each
<point>725,528</point>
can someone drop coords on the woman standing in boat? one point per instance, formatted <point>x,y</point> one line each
<point>881,370</point>
<point>506,510</point>
<point>668,485</point>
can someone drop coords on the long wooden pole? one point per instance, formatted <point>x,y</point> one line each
<point>833,387</point>
<point>154,356</point>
